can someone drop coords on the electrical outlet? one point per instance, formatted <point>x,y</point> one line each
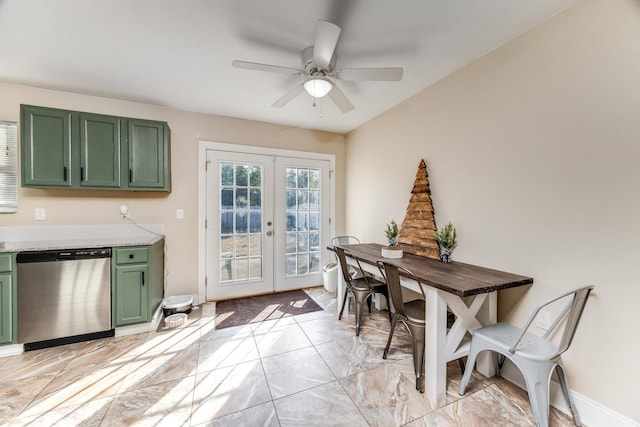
<point>124,211</point>
<point>40,214</point>
<point>179,213</point>
<point>543,320</point>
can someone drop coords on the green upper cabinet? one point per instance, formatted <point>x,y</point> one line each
<point>148,154</point>
<point>71,149</point>
<point>46,147</point>
<point>100,150</point>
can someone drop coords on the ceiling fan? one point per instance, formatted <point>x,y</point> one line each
<point>319,70</point>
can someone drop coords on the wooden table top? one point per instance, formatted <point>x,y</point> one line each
<point>455,277</point>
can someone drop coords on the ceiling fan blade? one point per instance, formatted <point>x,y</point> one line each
<point>325,44</point>
<point>288,97</point>
<point>390,74</point>
<point>266,67</point>
<point>340,99</point>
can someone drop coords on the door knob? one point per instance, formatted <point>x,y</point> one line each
<point>269,233</point>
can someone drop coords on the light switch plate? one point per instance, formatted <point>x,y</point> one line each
<point>179,213</point>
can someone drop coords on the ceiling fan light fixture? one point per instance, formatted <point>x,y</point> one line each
<point>318,86</point>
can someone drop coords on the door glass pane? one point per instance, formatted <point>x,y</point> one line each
<point>303,221</point>
<point>240,222</point>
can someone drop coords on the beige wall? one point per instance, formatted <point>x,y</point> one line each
<point>533,152</point>
<point>187,129</point>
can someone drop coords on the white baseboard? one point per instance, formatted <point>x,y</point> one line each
<point>11,350</point>
<point>591,412</point>
<point>139,328</point>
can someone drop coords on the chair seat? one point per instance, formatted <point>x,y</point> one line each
<point>361,284</point>
<point>501,337</point>
<point>414,310</point>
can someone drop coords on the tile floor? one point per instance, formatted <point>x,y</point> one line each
<point>308,370</point>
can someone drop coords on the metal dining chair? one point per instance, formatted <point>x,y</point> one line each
<point>347,240</point>
<point>361,288</point>
<point>411,314</point>
<point>536,356</point>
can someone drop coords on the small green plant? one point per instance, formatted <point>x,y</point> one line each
<point>446,237</point>
<point>392,232</point>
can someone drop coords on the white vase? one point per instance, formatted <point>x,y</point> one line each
<point>392,252</point>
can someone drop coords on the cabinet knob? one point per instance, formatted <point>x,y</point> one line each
<point>130,256</point>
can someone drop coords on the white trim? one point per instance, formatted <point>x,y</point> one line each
<point>237,148</point>
<point>11,350</point>
<point>591,413</point>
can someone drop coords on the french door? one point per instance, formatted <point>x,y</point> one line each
<point>267,223</point>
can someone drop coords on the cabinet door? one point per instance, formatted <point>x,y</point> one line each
<point>6,308</point>
<point>132,295</point>
<point>46,147</point>
<point>99,151</point>
<point>148,155</point>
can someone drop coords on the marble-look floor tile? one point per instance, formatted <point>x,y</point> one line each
<point>227,390</point>
<point>161,342</point>
<point>295,371</point>
<point>39,362</point>
<point>386,397</point>
<point>167,404</point>
<point>227,351</point>
<point>326,329</point>
<point>73,388</point>
<point>15,396</point>
<point>150,369</point>
<point>350,356</point>
<point>209,332</point>
<point>88,414</point>
<point>263,415</point>
<point>106,351</point>
<point>326,405</point>
<point>280,339</point>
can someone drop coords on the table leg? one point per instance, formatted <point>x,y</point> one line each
<point>436,346</point>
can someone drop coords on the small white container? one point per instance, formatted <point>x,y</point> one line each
<point>392,252</point>
<point>175,320</point>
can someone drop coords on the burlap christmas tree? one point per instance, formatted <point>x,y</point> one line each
<point>416,235</point>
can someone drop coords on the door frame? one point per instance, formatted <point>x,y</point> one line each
<point>247,149</point>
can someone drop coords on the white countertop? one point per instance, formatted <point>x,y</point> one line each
<point>21,239</point>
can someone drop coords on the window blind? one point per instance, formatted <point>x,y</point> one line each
<point>8,167</point>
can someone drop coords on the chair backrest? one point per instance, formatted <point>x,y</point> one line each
<point>342,260</point>
<point>344,240</point>
<point>391,274</point>
<point>574,312</point>
<point>571,314</point>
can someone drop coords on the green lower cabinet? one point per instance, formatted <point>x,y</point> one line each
<point>8,301</point>
<point>131,295</point>
<point>138,283</point>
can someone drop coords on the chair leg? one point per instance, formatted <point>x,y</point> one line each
<point>461,363</point>
<point>417,342</point>
<point>471,362</point>
<point>386,349</point>
<point>344,301</point>
<point>538,389</point>
<point>360,301</point>
<point>388,306</point>
<point>566,391</point>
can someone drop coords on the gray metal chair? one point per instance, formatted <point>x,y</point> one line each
<point>360,287</point>
<point>411,314</point>
<point>536,356</point>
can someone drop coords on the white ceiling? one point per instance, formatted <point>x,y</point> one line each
<point>178,53</point>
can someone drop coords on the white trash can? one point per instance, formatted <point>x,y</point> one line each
<point>330,276</point>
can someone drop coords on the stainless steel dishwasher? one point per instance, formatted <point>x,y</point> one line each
<point>64,296</point>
